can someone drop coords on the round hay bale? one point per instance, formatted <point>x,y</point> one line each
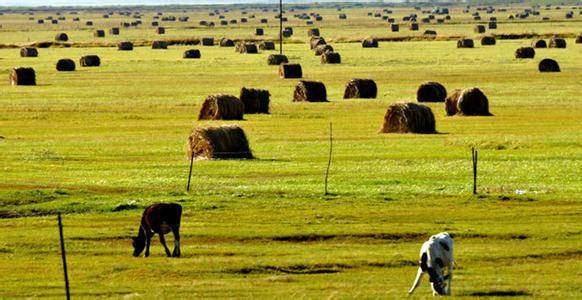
<point>114,31</point>
<point>316,41</point>
<point>255,101</point>
<point>465,43</point>
<point>207,41</point>
<point>40,21</point>
<point>28,52</point>
<point>310,91</point>
<point>479,29</point>
<point>125,46</point>
<point>89,23</point>
<point>99,33</point>
<point>160,30</point>
<point>525,52</point>
<point>191,53</point>
<point>264,21</point>
<point>224,42</point>
<point>579,39</point>
<point>556,42</point>
<point>66,65</point>
<point>259,31</point>
<point>90,61</point>
<point>267,45</point>
<point>408,117</point>
<point>413,26</point>
<point>394,27</point>
<point>488,41</point>
<point>221,107</point>
<point>61,37</point>
<point>342,16</point>
<point>331,58</point>
<point>539,44</point>
<point>451,102</point>
<point>467,102</point>
<point>430,33</point>
<point>277,59</point>
<point>221,142</point>
<point>156,23</point>
<point>361,88</point>
<point>287,33</point>
<point>287,70</point>
<point>313,32</point>
<point>431,92</point>
<point>492,25</point>
<point>22,76</point>
<point>159,45</point>
<point>370,43</point>
<point>548,65</point>
<point>249,48</point>
<point>319,50</point>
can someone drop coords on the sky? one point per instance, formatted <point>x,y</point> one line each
<point>149,2</point>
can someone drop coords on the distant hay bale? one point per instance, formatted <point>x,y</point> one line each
<point>287,70</point>
<point>316,41</point>
<point>259,31</point>
<point>431,92</point>
<point>319,50</point>
<point>548,65</point>
<point>114,31</point>
<point>557,43</point>
<point>287,33</point>
<point>413,26</point>
<point>342,16</point>
<point>488,41</point>
<point>191,53</point>
<point>125,46</point>
<point>28,52</point>
<point>207,41</point>
<point>313,32</point>
<point>467,102</point>
<point>255,101</point>
<point>492,25</point>
<point>224,42</point>
<point>579,39</point>
<point>99,33</point>
<point>22,76</point>
<point>310,91</point>
<point>430,33</point>
<point>220,142</point>
<point>395,27</point>
<point>160,30</point>
<point>267,45</point>
<point>66,65</point>
<point>90,61</point>
<point>370,43</point>
<point>61,37</point>
<point>361,88</point>
<point>479,29</point>
<point>159,45</point>
<point>525,52</point>
<point>244,47</point>
<point>539,44</point>
<point>277,59</point>
<point>221,107</point>
<point>331,58</point>
<point>465,43</point>
<point>408,117</point>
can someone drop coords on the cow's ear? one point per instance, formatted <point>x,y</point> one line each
<point>445,246</point>
<point>423,262</point>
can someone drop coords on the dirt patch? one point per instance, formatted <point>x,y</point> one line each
<point>377,236</point>
<point>505,236</point>
<point>293,269</point>
<point>499,294</point>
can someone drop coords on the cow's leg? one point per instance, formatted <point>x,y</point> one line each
<point>416,281</point>
<point>148,242</point>
<point>176,243</point>
<point>450,275</point>
<point>163,241</point>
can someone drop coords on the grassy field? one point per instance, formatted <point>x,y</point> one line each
<point>100,144</point>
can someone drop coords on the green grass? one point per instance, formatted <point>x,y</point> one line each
<point>100,144</point>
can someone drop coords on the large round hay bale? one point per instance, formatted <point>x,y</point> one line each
<point>525,52</point>
<point>556,42</point>
<point>66,65</point>
<point>224,42</point>
<point>221,142</point>
<point>99,33</point>
<point>465,43</point>
<point>316,41</point>
<point>370,43</point>
<point>451,102</point>
<point>467,102</point>
<point>208,41</point>
<point>267,45</point>
<point>61,37</point>
<point>259,31</point>
<point>310,91</point>
<point>22,76</point>
<point>244,47</point>
<point>361,88</point>
<point>114,31</point>
<point>313,32</point>
<point>394,27</point>
<point>408,118</point>
<point>159,45</point>
<point>287,70</point>
<point>191,53</point>
<point>90,61</point>
<point>548,65</point>
<point>539,44</point>
<point>255,101</point>
<point>431,92</point>
<point>221,107</point>
<point>277,59</point>
<point>125,46</point>
<point>579,39</point>
<point>479,29</point>
<point>331,58</point>
<point>320,49</point>
<point>28,52</point>
<point>488,41</point>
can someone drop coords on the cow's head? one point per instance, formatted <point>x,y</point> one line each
<point>437,281</point>
<point>138,246</point>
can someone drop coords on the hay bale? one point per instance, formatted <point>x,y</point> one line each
<point>224,42</point>
<point>277,59</point>
<point>319,50</point>
<point>221,107</point>
<point>160,30</point>
<point>89,23</point>
<point>66,65</point>
<point>430,33</point>
<point>267,45</point>
<point>370,43</point>
<point>28,52</point>
<point>579,39</point>
<point>259,31</point>
<point>310,91</point>
<point>413,26</point>
<point>331,58</point>
<point>249,48</point>
<point>394,27</point>
<point>22,76</point>
<point>159,45</point>
<point>479,29</point>
<point>221,142</point>
<point>287,33</point>
<point>287,70</point>
<point>431,92</point>
<point>488,41</point>
<point>313,32</point>
<point>361,88</point>
<point>191,53</point>
<point>492,25</point>
<point>556,42</point>
<point>125,46</point>
<point>99,33</point>
<point>255,101</point>
<point>316,41</point>
<point>408,117</point>
<point>61,37</point>
<point>525,52</point>
<point>207,41</point>
<point>465,43</point>
<point>114,31</point>
<point>90,61</point>
<point>539,44</point>
<point>467,102</point>
<point>548,65</point>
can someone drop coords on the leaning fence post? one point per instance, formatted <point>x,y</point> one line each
<point>475,157</point>
<point>64,256</point>
<point>329,160</point>
<point>190,173</point>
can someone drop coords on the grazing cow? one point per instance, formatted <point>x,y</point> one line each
<point>435,255</point>
<point>160,219</point>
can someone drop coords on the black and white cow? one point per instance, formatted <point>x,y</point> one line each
<point>436,254</point>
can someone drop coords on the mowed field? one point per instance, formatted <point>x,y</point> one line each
<point>100,144</point>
